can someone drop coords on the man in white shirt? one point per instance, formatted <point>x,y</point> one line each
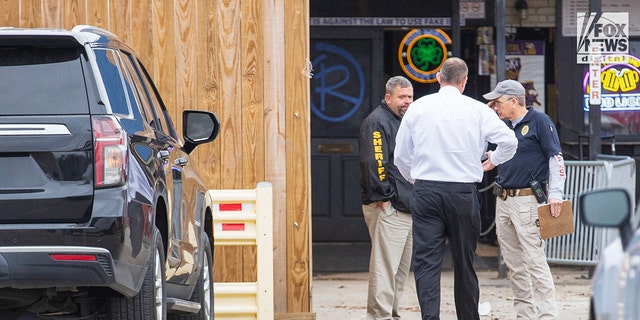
<point>439,147</point>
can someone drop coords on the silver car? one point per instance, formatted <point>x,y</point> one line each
<point>616,281</point>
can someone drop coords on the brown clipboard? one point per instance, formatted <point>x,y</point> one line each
<point>553,227</point>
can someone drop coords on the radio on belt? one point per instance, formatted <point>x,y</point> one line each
<point>537,190</point>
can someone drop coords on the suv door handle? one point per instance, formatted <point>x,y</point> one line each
<point>181,162</point>
<point>164,154</point>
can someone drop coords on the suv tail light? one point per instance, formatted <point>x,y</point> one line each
<point>110,152</point>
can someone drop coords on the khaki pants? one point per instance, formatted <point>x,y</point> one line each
<point>523,253</point>
<point>391,243</point>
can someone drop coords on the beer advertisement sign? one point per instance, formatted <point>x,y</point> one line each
<point>620,93</point>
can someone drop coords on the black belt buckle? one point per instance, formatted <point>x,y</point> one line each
<point>499,192</point>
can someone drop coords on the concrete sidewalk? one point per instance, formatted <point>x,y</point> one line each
<point>343,296</point>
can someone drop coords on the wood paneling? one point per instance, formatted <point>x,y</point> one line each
<point>229,78</point>
<point>242,60</point>
<point>186,60</point>
<point>120,19</point>
<point>163,60</point>
<point>252,109</point>
<point>209,86</point>
<point>252,58</point>
<point>52,13</point>
<point>298,131</point>
<point>30,14</point>
<point>141,28</point>
<point>74,12</point>
<point>10,13</point>
<point>275,131</point>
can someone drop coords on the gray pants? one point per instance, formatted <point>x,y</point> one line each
<point>523,252</point>
<point>391,242</point>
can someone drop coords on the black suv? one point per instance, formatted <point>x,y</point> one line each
<point>101,214</point>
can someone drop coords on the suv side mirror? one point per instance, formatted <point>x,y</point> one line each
<point>199,127</point>
<point>609,208</point>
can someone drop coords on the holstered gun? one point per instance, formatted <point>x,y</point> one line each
<point>499,192</point>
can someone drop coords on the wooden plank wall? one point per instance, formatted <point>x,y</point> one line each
<point>243,60</point>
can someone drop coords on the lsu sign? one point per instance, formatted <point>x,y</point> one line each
<point>607,30</point>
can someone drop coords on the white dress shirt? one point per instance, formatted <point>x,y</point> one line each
<point>442,138</point>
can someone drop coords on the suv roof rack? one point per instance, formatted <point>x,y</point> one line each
<point>94,29</point>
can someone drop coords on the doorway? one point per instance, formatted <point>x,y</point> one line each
<point>346,85</point>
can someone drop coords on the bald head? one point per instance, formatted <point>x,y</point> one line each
<point>454,72</point>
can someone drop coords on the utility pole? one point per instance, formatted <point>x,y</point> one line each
<point>501,45</point>
<point>501,42</point>
<point>595,125</point>
<point>455,28</point>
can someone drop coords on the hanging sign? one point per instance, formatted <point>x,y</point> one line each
<point>594,77</point>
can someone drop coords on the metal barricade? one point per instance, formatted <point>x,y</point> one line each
<point>584,246</point>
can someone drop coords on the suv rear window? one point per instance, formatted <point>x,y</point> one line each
<point>41,80</point>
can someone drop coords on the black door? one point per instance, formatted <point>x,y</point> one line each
<point>346,84</point>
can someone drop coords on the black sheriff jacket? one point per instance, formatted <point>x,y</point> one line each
<point>380,179</point>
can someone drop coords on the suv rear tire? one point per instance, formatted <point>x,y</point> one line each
<point>150,303</point>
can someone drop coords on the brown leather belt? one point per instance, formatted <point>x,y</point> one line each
<point>518,192</point>
<point>502,193</point>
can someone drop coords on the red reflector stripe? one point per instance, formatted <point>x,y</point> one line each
<point>73,257</point>
<point>233,227</point>
<point>231,207</point>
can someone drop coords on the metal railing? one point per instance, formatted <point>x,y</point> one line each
<point>583,247</point>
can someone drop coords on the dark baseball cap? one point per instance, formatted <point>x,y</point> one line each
<point>510,87</point>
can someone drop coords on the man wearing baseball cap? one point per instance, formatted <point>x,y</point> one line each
<point>538,162</point>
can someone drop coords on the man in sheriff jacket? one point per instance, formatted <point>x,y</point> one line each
<point>385,201</point>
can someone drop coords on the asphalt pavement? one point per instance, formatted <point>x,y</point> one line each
<point>343,296</point>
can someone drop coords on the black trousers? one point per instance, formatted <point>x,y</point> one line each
<point>445,210</point>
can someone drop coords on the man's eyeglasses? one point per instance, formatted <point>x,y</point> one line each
<point>497,103</point>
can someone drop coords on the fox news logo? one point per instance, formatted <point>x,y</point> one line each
<point>607,30</point>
